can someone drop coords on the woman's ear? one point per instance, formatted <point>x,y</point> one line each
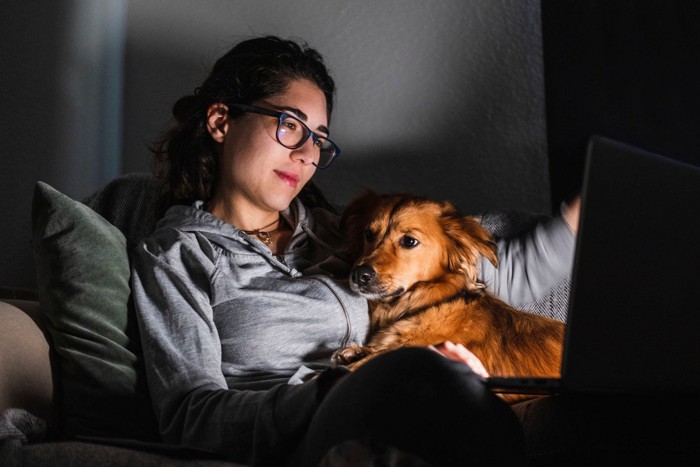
<point>217,121</point>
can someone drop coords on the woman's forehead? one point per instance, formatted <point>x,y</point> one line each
<point>305,100</point>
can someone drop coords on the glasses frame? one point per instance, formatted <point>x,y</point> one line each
<point>281,116</point>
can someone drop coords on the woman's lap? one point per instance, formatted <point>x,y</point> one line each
<point>422,403</point>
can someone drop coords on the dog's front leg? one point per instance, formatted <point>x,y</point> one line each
<point>350,354</point>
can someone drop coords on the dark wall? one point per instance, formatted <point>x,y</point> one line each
<point>628,70</point>
<point>439,98</point>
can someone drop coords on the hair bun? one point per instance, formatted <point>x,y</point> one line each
<point>186,107</point>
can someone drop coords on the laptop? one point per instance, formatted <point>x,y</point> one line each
<point>633,321</point>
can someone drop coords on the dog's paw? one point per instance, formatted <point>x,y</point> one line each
<point>349,354</point>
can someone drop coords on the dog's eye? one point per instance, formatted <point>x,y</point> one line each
<point>408,242</point>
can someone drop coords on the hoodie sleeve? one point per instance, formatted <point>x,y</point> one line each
<point>182,355</point>
<point>532,263</point>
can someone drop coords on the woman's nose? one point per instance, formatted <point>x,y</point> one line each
<point>305,152</point>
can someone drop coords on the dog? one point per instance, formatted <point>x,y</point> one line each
<point>417,264</point>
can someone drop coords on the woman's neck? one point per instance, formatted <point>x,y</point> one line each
<point>249,220</point>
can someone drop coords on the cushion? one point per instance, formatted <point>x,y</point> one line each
<point>83,275</point>
<point>128,202</point>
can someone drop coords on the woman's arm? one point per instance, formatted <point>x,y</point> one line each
<point>182,355</point>
<point>533,262</point>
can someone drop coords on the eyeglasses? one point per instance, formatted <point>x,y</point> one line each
<point>292,133</point>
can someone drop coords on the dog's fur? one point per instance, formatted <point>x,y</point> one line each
<point>417,263</point>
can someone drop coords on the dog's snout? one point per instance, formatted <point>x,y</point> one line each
<point>363,275</point>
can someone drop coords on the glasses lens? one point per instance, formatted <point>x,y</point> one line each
<point>291,132</point>
<point>328,152</point>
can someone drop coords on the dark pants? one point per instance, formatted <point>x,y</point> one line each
<point>423,404</point>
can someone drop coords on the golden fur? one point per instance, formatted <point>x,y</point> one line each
<point>418,264</point>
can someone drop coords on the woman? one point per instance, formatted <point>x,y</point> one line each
<point>241,296</point>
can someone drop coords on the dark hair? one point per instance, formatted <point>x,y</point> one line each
<point>185,161</point>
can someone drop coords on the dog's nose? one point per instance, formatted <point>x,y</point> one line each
<point>363,275</point>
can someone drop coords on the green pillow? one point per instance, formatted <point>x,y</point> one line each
<point>83,274</point>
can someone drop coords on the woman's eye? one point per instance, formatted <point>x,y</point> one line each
<point>291,125</point>
<point>408,242</point>
<point>318,143</point>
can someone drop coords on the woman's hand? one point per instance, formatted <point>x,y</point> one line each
<point>460,353</point>
<point>571,212</point>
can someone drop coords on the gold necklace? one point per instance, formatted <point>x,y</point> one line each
<point>265,235</point>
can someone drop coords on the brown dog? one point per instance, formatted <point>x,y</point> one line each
<point>417,265</point>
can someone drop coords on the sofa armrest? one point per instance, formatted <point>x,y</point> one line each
<point>25,368</point>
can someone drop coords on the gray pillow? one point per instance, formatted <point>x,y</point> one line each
<point>83,286</point>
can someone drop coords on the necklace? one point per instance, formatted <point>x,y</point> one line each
<point>264,235</point>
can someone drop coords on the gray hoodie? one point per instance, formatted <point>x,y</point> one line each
<point>233,336</point>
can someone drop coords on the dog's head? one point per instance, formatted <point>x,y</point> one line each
<point>400,240</point>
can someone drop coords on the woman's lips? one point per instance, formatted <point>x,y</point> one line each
<point>289,178</point>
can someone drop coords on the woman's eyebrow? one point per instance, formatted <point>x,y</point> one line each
<point>297,112</point>
<point>302,116</point>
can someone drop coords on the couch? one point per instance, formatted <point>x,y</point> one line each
<point>71,386</point>
<point>72,389</point>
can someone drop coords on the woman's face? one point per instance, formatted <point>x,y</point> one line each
<point>255,171</point>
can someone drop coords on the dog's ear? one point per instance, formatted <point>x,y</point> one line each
<point>470,241</point>
<point>354,220</point>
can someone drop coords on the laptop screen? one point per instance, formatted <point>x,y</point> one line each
<point>634,312</point>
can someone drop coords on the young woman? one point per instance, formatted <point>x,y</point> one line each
<point>241,296</point>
